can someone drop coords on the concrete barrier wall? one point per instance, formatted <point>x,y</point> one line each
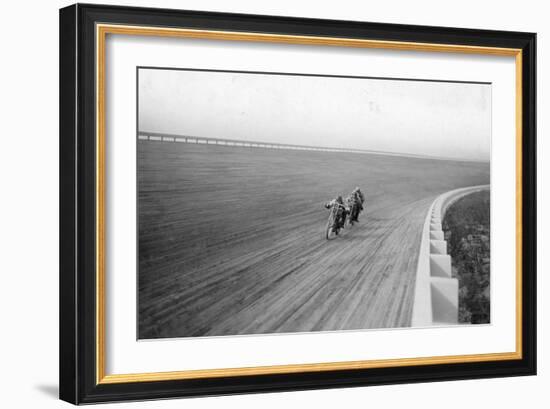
<point>436,291</point>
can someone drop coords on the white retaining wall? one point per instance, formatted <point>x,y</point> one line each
<point>436,291</point>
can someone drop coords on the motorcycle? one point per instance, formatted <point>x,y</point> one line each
<point>333,226</point>
<point>353,212</point>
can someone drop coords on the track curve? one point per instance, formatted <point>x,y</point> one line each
<point>231,239</point>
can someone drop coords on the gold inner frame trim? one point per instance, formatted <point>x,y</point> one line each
<point>101,33</point>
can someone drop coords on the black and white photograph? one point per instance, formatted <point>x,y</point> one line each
<point>276,203</point>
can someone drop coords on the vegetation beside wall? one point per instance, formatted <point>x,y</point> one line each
<point>467,231</point>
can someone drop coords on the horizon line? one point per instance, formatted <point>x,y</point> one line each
<point>159,136</point>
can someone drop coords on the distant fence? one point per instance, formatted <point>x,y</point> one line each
<point>164,137</point>
<point>436,291</point>
<point>155,136</point>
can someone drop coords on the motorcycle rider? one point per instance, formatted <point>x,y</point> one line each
<point>341,212</point>
<point>357,199</point>
<point>352,204</point>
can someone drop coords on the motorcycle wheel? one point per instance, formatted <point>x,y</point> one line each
<point>330,232</point>
<point>348,223</point>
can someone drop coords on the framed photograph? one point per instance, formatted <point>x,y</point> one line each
<point>257,203</point>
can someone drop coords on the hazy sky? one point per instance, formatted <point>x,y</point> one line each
<point>416,117</point>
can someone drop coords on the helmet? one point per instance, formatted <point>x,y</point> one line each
<point>339,199</point>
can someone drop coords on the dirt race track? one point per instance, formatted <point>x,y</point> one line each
<point>231,239</point>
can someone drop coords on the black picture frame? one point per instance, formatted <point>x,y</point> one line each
<point>78,313</point>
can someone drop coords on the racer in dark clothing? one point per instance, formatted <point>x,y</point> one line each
<point>342,211</point>
<point>356,204</point>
